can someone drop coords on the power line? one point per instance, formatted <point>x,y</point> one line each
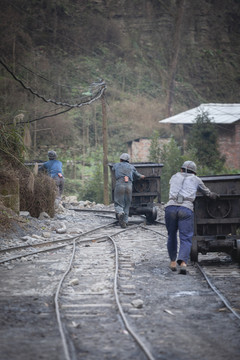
<point>42,77</point>
<point>42,117</point>
<point>99,87</point>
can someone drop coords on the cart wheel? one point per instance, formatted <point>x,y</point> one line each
<point>152,217</point>
<point>219,208</point>
<point>194,250</point>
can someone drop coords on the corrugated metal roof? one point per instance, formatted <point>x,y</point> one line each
<point>218,113</point>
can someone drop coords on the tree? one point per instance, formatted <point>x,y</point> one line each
<point>203,143</point>
<point>172,160</point>
<point>174,57</point>
<point>155,150</point>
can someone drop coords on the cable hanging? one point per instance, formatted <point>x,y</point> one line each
<point>97,87</point>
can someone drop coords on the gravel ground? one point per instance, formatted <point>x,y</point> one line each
<point>181,318</point>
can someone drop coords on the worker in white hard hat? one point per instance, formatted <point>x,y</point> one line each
<point>179,213</point>
<point>54,169</point>
<point>125,173</point>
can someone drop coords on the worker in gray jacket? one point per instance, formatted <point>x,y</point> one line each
<point>179,213</point>
<point>125,173</point>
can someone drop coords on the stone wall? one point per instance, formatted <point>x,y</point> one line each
<point>139,149</point>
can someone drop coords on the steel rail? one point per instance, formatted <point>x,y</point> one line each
<point>56,298</point>
<point>128,327</point>
<point>155,231</point>
<point>213,287</point>
<point>63,337</point>
<point>43,243</point>
<point>49,243</point>
<point>93,210</point>
<point>160,222</point>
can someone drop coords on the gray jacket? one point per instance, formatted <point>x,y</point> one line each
<point>123,168</point>
<point>183,188</point>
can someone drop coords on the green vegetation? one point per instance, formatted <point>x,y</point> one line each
<point>59,49</point>
<point>11,145</point>
<point>84,175</point>
<point>155,150</point>
<point>202,146</point>
<point>171,157</point>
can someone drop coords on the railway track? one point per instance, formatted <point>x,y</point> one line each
<point>223,277</point>
<point>80,276</point>
<point>30,249</point>
<point>103,276</point>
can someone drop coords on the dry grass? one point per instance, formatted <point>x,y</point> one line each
<point>37,193</point>
<point>139,116</point>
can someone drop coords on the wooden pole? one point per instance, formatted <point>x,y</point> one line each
<point>105,151</point>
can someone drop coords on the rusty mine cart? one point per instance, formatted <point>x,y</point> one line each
<point>217,222</point>
<point>145,191</point>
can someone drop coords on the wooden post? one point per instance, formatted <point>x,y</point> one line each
<point>105,151</point>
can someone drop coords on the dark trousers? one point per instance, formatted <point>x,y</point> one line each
<point>179,218</point>
<point>60,185</point>
<point>123,198</point>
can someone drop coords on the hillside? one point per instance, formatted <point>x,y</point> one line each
<point>156,57</point>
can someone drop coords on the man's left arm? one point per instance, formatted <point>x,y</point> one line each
<point>206,191</point>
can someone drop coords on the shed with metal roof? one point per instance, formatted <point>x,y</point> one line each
<point>227,120</point>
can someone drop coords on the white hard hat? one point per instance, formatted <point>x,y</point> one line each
<point>189,165</point>
<point>125,157</point>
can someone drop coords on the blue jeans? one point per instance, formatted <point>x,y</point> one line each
<point>179,218</point>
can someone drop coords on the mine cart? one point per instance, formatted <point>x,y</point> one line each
<point>217,222</point>
<point>146,192</point>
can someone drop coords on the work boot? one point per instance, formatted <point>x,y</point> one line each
<point>183,268</point>
<point>173,265</point>
<point>121,221</point>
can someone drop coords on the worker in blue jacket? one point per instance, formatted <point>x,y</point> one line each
<point>54,170</point>
<point>125,173</point>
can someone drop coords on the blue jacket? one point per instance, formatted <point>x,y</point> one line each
<point>53,167</point>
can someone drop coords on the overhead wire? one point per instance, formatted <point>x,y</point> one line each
<point>63,36</point>
<point>41,117</point>
<point>44,78</point>
<point>99,87</point>
<point>19,8</point>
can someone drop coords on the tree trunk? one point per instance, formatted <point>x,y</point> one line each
<point>174,60</point>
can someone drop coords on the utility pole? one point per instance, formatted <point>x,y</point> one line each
<point>105,151</point>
